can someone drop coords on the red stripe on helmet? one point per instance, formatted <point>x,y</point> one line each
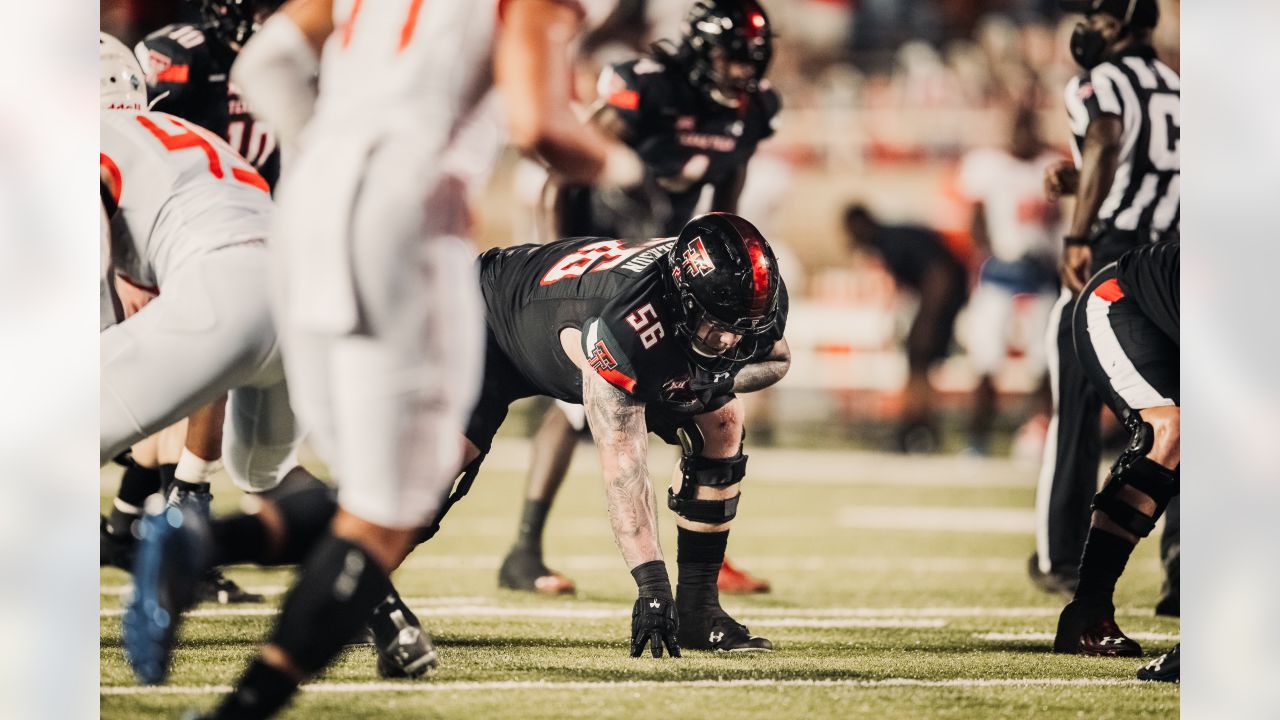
<point>759,275</point>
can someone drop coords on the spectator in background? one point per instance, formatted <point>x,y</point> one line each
<point>918,259</point>
<point>1017,229</point>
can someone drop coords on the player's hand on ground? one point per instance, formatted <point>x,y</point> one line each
<point>1074,269</point>
<point>654,622</point>
<point>1060,179</point>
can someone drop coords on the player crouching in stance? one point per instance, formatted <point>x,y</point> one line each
<point>186,215</point>
<point>1127,337</point>
<point>651,337</point>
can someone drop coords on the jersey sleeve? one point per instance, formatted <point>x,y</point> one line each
<point>975,176</point>
<point>609,357</point>
<point>628,89</point>
<point>173,58</point>
<point>1090,96</point>
<point>771,104</point>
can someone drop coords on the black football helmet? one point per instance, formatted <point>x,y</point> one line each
<point>738,31</point>
<point>722,270</point>
<point>234,21</point>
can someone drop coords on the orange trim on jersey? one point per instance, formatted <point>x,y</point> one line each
<point>410,23</point>
<point>117,180</point>
<point>250,177</point>
<point>349,25</point>
<point>1109,290</point>
<point>625,99</point>
<point>174,74</point>
<point>619,380</point>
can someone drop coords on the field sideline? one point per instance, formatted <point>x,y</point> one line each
<point>899,591</point>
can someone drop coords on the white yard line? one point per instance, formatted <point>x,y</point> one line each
<point>1039,636</point>
<point>580,563</point>
<point>425,687</point>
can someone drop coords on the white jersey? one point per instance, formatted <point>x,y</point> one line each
<point>183,192</point>
<point>1020,221</point>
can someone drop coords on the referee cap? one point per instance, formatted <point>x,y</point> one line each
<point>1134,13</point>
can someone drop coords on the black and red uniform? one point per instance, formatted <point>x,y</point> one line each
<point>187,75</point>
<point>1126,329</point>
<point>614,292</point>
<point>670,123</point>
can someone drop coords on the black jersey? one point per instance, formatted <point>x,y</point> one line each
<point>1150,274</point>
<point>685,140</point>
<point>1144,93</point>
<point>910,251</point>
<point>187,75</point>
<point>613,292</point>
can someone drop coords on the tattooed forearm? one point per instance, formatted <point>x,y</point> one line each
<point>617,422</point>
<point>760,375</point>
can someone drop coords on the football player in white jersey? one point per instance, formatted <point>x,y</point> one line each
<point>379,302</point>
<point>1019,230</point>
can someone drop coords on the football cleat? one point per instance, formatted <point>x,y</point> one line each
<point>738,582</point>
<point>1059,581</point>
<point>526,572</point>
<point>195,496</point>
<point>218,588</point>
<point>1090,629</point>
<point>1166,668</point>
<point>172,549</point>
<point>713,629</point>
<point>115,550</point>
<point>405,649</point>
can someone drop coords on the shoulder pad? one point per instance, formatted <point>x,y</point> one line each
<point>169,54</point>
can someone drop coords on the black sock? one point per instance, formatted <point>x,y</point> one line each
<point>261,692</point>
<point>136,484</point>
<point>651,578</point>
<point>167,472</point>
<point>239,539</point>
<point>532,520</point>
<point>698,557</point>
<point>1104,558</point>
<point>337,589</point>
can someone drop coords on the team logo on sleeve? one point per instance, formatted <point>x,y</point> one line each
<point>601,359</point>
<point>696,259</point>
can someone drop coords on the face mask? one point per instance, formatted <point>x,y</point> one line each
<point>1087,46</point>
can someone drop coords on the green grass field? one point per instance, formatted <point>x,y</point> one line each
<point>900,590</point>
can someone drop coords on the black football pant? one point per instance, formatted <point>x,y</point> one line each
<point>1073,449</point>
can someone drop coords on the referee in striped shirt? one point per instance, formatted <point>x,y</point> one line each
<point>1124,116</point>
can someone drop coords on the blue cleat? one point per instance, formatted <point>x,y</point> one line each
<point>171,556</point>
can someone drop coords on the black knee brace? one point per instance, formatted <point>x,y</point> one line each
<point>1134,469</point>
<point>707,472</point>
<point>307,506</point>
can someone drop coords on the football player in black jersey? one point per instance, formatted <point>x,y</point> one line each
<point>1126,326</point>
<point>695,112</point>
<point>188,67</point>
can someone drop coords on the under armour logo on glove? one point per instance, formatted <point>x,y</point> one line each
<point>655,604</point>
<point>716,636</point>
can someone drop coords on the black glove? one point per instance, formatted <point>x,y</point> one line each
<point>654,622</point>
<point>653,617</point>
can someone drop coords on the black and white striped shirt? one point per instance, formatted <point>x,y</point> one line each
<point>1143,93</point>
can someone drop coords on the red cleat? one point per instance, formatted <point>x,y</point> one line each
<point>735,581</point>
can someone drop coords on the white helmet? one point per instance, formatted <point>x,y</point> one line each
<point>123,84</point>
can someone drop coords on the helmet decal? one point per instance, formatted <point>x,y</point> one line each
<point>697,260</point>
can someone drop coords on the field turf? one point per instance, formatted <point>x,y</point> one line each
<point>900,590</point>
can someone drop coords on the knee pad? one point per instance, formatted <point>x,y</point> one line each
<point>706,472</point>
<point>1135,470</point>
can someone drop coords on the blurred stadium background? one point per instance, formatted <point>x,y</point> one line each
<point>882,99</point>
<point>884,568</point>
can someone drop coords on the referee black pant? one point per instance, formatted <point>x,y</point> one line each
<point>1073,449</point>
